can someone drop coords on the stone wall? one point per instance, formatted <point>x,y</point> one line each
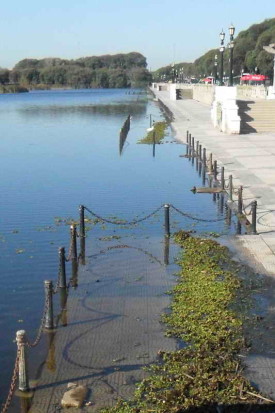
<point>247,92</point>
<point>204,93</point>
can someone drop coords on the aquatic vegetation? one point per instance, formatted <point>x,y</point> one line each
<point>109,238</point>
<point>156,135</point>
<point>208,315</point>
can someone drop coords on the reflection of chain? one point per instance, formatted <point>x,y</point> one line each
<point>195,218</point>
<point>245,207</point>
<point>123,222</point>
<point>13,382</point>
<point>135,248</point>
<point>42,324</point>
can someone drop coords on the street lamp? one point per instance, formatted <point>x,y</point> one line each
<point>215,67</point>
<point>231,46</point>
<point>222,36</point>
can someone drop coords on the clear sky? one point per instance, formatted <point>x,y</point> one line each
<point>164,31</point>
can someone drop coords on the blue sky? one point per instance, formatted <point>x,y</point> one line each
<point>164,31</point>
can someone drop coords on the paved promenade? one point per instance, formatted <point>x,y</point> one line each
<point>250,159</point>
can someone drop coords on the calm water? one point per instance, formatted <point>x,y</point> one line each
<point>60,149</point>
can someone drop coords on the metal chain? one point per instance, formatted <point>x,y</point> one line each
<point>13,382</point>
<point>42,324</point>
<point>109,221</point>
<point>195,218</point>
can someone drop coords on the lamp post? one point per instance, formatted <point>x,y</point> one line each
<point>222,36</point>
<point>215,68</point>
<point>231,46</point>
<point>271,49</point>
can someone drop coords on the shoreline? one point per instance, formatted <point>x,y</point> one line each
<point>248,159</point>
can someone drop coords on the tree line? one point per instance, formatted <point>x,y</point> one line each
<point>108,71</point>
<point>249,56</point>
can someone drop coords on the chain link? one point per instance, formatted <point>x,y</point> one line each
<point>42,324</point>
<point>109,221</point>
<point>13,382</point>
<point>195,218</point>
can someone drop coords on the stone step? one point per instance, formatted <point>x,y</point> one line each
<point>257,129</point>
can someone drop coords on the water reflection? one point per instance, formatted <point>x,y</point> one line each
<point>119,109</point>
<point>50,360</point>
<point>82,255</point>
<point>25,404</point>
<point>74,276</point>
<point>166,250</point>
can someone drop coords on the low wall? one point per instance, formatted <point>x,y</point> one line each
<point>247,92</point>
<point>204,93</point>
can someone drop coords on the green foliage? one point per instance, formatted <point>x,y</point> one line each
<point>156,135</point>
<point>117,71</point>
<point>206,375</point>
<point>248,53</point>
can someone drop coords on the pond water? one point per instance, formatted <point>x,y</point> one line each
<point>59,149</point>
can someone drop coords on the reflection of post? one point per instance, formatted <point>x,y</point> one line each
<point>74,278</point>
<point>203,175</point>
<point>228,216</point>
<point>63,304</point>
<point>25,404</point>
<point>221,203</point>
<point>82,257</point>
<point>154,144</point>
<point>166,250</point>
<point>239,228</point>
<point>50,361</point>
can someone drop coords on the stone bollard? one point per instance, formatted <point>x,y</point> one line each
<point>240,200</point>
<point>167,220</point>
<point>222,177</point>
<point>254,217</point>
<point>210,163</point>
<point>62,268</point>
<point>23,376</point>
<point>215,170</point>
<point>230,187</point>
<point>49,299</point>
<point>81,221</point>
<point>204,157</point>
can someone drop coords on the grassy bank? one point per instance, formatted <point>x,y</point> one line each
<point>13,89</point>
<point>207,312</point>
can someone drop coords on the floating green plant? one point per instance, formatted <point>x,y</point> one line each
<point>207,313</point>
<point>156,135</point>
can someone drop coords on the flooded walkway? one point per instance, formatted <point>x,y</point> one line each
<point>250,159</point>
<point>112,327</point>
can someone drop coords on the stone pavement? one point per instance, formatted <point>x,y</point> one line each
<point>250,159</point>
